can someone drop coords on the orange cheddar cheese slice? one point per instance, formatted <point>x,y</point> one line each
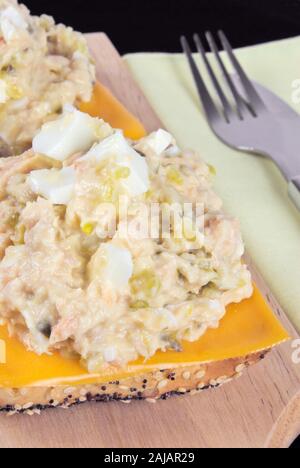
<point>106,106</point>
<point>248,327</point>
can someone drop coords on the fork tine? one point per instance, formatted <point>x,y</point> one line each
<point>238,100</point>
<point>255,100</point>
<point>207,102</point>
<point>225,103</point>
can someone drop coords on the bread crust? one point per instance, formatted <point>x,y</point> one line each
<point>159,384</point>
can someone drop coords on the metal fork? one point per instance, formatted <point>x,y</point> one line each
<point>247,124</point>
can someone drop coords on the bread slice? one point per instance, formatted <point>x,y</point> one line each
<point>159,384</point>
<point>212,360</point>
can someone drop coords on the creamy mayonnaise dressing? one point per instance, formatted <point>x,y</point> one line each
<point>73,279</point>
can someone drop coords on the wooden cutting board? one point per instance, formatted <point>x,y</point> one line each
<point>261,409</point>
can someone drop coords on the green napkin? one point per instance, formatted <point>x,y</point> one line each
<point>252,187</point>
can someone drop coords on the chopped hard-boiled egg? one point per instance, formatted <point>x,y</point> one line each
<point>3,92</point>
<point>159,141</point>
<point>114,145</point>
<point>69,108</point>
<point>119,265</point>
<point>112,264</point>
<point>11,22</point>
<point>72,133</point>
<point>55,185</point>
<point>110,354</point>
<point>137,181</point>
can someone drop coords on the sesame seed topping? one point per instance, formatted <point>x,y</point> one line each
<point>162,384</point>
<point>186,375</point>
<point>200,386</point>
<point>122,387</point>
<point>151,400</point>
<point>28,405</point>
<point>200,374</point>
<point>69,391</point>
<point>158,376</point>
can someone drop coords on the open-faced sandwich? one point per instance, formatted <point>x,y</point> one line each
<point>109,287</point>
<point>42,67</point>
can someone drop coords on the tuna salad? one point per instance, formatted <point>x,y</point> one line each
<point>43,66</point>
<point>77,273</point>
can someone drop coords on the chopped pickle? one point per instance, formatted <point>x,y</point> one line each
<point>60,210</point>
<point>139,305</point>
<point>189,311</point>
<point>13,220</point>
<point>189,232</point>
<point>14,91</point>
<point>174,176</point>
<point>122,173</point>
<point>107,191</point>
<point>149,194</point>
<point>19,238</point>
<point>146,283</point>
<point>88,228</point>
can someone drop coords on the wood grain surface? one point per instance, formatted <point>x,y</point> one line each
<point>261,409</point>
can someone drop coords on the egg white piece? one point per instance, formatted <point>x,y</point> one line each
<point>110,354</point>
<point>41,340</point>
<point>118,265</point>
<point>74,132</point>
<point>57,186</point>
<point>11,22</point>
<point>159,141</point>
<point>117,146</point>
<point>69,109</point>
<point>3,92</point>
<point>114,145</point>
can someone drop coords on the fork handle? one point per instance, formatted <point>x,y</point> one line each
<point>294,191</point>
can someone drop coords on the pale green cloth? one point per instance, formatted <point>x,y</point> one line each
<point>252,187</point>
